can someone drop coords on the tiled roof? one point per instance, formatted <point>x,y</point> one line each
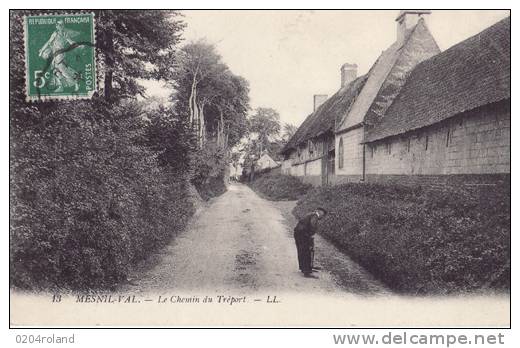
<point>473,73</point>
<point>323,119</point>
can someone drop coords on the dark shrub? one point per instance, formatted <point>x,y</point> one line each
<point>209,170</point>
<point>279,187</point>
<point>421,240</point>
<point>86,200</point>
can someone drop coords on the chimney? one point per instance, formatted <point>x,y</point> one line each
<point>407,19</point>
<point>348,73</point>
<point>318,100</point>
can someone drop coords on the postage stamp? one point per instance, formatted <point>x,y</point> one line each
<point>60,56</point>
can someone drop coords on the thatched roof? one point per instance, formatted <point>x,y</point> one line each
<point>323,120</point>
<point>473,73</point>
<point>387,75</point>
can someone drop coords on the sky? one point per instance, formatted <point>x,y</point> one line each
<point>288,56</point>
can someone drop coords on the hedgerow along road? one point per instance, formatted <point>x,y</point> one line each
<point>243,243</point>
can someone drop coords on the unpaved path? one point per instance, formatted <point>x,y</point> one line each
<point>242,242</point>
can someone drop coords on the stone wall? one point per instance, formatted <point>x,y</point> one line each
<point>476,142</point>
<point>352,153</point>
<point>306,163</point>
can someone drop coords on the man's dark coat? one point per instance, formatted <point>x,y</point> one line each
<point>303,235</point>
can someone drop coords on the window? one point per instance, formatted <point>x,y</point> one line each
<point>426,143</point>
<point>388,147</point>
<point>448,138</point>
<point>408,145</point>
<point>372,151</point>
<point>340,153</point>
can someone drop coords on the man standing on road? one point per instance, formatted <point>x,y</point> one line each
<point>304,237</point>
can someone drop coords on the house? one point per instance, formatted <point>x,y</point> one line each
<point>413,44</point>
<point>266,161</point>
<point>388,125</point>
<point>310,153</point>
<point>451,119</point>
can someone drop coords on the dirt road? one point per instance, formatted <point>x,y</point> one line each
<point>241,246</point>
<point>242,242</point>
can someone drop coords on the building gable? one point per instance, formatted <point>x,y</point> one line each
<point>388,74</point>
<point>420,46</point>
<point>471,74</point>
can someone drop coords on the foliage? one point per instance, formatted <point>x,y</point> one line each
<point>263,135</point>
<point>135,45</point>
<point>214,103</point>
<point>265,122</point>
<point>87,200</point>
<point>209,95</point>
<point>288,132</point>
<point>169,135</point>
<point>278,187</point>
<point>96,185</point>
<point>421,240</point>
<point>210,166</point>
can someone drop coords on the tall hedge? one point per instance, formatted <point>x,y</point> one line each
<point>279,187</point>
<point>87,200</point>
<point>96,185</point>
<point>421,240</point>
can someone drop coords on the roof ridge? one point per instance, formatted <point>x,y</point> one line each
<point>459,44</point>
<point>398,52</point>
<point>445,85</point>
<point>324,117</point>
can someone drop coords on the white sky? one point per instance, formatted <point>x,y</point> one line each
<point>288,56</point>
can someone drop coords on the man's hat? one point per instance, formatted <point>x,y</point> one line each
<point>325,212</point>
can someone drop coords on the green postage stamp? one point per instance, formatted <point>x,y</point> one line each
<point>60,58</point>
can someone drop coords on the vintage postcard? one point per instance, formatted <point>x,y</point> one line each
<point>215,168</point>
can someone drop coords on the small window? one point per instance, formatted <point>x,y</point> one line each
<point>426,143</point>
<point>388,147</point>
<point>372,151</point>
<point>408,145</point>
<point>448,138</point>
<point>340,153</point>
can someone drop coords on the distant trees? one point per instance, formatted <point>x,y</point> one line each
<point>288,131</point>
<point>214,103</point>
<point>265,123</point>
<point>264,133</point>
<point>212,98</point>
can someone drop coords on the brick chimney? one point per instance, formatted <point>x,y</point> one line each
<point>319,99</point>
<point>348,73</point>
<point>407,19</point>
